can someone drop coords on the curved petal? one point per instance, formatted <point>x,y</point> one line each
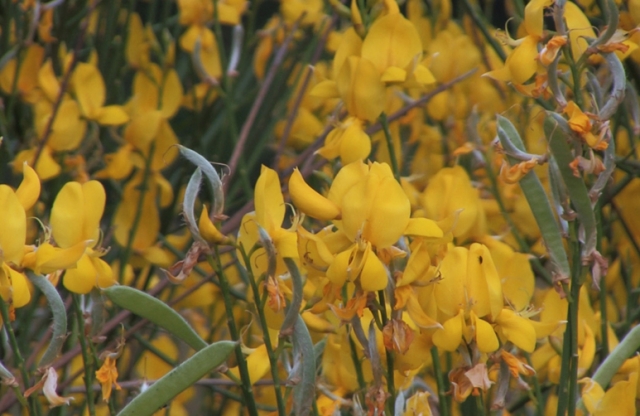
<point>361,89</point>
<point>29,190</point>
<point>21,292</point>
<point>13,226</point>
<point>67,215</point>
<point>89,88</point>
<point>94,199</point>
<point>269,202</point>
<point>449,337</point>
<point>49,259</point>
<point>355,144</point>
<point>392,41</point>
<point>112,115</point>
<point>517,330</point>
<point>373,276</point>
<point>81,279</point>
<point>485,336</point>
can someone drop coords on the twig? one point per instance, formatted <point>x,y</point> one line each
<point>257,104</point>
<point>303,87</point>
<point>421,101</point>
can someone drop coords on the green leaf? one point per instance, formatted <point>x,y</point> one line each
<point>155,311</point>
<point>538,201</point>
<point>557,131</point>
<point>179,379</point>
<point>304,392</point>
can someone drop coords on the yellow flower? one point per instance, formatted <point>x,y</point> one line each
<point>521,63</point>
<point>75,220</point>
<point>394,47</point>
<point>618,400</point>
<point>13,235</point>
<point>450,197</point>
<point>375,213</point>
<point>268,216</point>
<point>90,92</point>
<point>27,82</point>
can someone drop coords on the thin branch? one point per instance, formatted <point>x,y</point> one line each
<point>257,104</point>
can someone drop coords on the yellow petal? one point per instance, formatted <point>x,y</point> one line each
<point>484,283</point>
<point>112,115</point>
<point>67,215</point>
<point>90,90</point>
<point>619,399</point>
<point>374,274</point>
<point>533,16</point>
<point>417,314</point>
<point>449,337</point>
<point>171,94</point>
<point>20,287</point>
<point>258,364</point>
<point>337,271</point>
<point>94,199</point>
<point>143,129</point>
<point>48,82</point>
<point>49,259</point>
<point>517,330</point>
<point>29,190</point>
<point>355,144</point>
<point>46,168</point>
<point>81,279</point>
<point>309,201</point>
<point>208,230</point>
<point>270,208</point>
<point>393,74</point>
<point>423,227</point>
<point>104,271</point>
<point>13,226</point>
<point>149,225</point>
<point>361,89</point>
<point>376,208</point>
<point>579,28</point>
<point>485,336</point>
<point>350,45</point>
<point>325,89</point>
<point>451,289</point>
<point>522,60</point>
<point>392,41</point>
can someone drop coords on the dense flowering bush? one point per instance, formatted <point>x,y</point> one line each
<point>317,207</point>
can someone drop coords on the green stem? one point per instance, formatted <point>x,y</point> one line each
<point>86,356</point>
<point>356,363</point>
<point>384,122</point>
<point>247,390</point>
<point>273,359</point>
<point>18,359</point>
<point>389,354</point>
<point>437,370</point>
<point>536,388</point>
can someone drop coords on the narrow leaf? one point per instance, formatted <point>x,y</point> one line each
<point>304,392</point>
<point>556,129</point>
<point>59,313</point>
<point>293,312</point>
<point>155,311</point>
<point>538,201</point>
<point>179,379</point>
<point>210,173</point>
